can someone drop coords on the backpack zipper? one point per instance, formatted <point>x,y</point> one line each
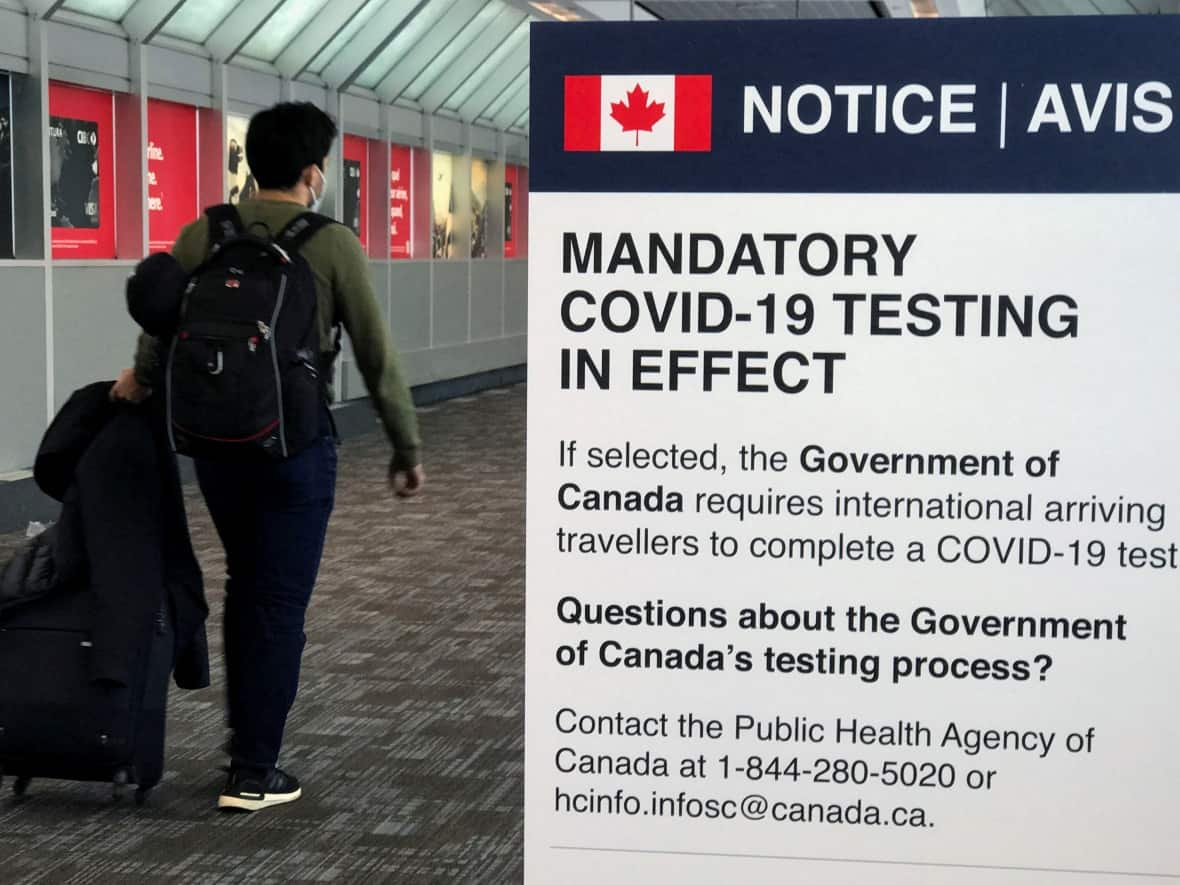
<point>168,393</point>
<point>274,355</point>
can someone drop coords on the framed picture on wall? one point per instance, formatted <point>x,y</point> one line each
<point>81,172</point>
<point>479,208</point>
<point>7,247</point>
<point>400,159</point>
<point>239,183</point>
<point>352,195</point>
<point>511,176</point>
<point>74,173</point>
<point>354,202</point>
<point>442,231</point>
<point>171,159</point>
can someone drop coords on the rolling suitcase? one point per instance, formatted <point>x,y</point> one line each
<point>56,722</point>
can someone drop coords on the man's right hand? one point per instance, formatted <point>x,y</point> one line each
<point>406,483</point>
<point>128,389</point>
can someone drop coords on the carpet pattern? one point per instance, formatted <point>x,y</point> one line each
<point>408,730</point>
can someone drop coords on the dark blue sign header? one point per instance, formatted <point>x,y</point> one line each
<point>1087,104</point>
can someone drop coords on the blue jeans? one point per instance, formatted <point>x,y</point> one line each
<point>272,519</point>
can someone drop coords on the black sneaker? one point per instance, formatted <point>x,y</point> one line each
<point>247,791</point>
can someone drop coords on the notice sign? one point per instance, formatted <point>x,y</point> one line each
<point>852,479</point>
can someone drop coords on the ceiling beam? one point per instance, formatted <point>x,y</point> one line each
<point>239,27</point>
<point>389,21</point>
<point>614,10</point>
<point>483,47</point>
<point>517,104</point>
<point>495,82</point>
<point>513,56</point>
<point>504,95</point>
<point>418,58</point>
<point>146,18</point>
<point>43,9</point>
<point>331,22</point>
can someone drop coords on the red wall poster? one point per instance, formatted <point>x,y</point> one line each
<point>399,202</point>
<point>171,165</point>
<point>356,174</point>
<point>511,189</point>
<point>82,172</point>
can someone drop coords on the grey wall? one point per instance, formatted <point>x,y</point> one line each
<point>486,306</point>
<point>442,327</point>
<point>23,364</point>
<point>516,297</point>
<point>451,294</point>
<point>93,337</point>
<point>447,319</point>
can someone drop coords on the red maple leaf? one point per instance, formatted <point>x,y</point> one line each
<point>637,114</point>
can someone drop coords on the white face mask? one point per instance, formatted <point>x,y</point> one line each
<point>318,199</point>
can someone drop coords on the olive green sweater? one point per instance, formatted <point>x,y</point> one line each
<point>346,295</point>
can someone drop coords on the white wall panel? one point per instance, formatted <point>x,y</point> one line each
<point>251,90</point>
<point>182,71</point>
<point>85,50</point>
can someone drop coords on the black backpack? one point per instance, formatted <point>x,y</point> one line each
<point>244,375</point>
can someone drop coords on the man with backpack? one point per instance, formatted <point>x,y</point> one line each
<point>244,376</point>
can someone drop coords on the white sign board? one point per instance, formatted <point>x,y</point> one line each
<point>851,461</point>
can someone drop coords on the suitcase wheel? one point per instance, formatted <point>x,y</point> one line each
<point>122,779</point>
<point>141,797</point>
<point>21,785</point>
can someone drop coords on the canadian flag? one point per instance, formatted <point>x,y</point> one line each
<point>639,112</point>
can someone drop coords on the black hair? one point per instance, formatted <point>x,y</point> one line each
<point>284,140</point>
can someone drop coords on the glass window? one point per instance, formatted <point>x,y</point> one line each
<point>452,54</point>
<point>517,44</point>
<point>416,34</point>
<point>283,27</point>
<point>111,10</point>
<point>197,19</point>
<point>507,96</point>
<point>341,41</point>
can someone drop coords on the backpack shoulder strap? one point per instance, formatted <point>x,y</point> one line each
<point>299,230</point>
<point>291,239</point>
<point>224,223</point>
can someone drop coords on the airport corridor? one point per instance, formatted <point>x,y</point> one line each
<point>408,730</point>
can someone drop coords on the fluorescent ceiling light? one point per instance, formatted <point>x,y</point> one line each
<point>557,11</point>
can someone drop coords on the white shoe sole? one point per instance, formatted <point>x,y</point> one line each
<point>236,803</point>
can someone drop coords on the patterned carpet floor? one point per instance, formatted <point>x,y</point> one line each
<point>408,730</point>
